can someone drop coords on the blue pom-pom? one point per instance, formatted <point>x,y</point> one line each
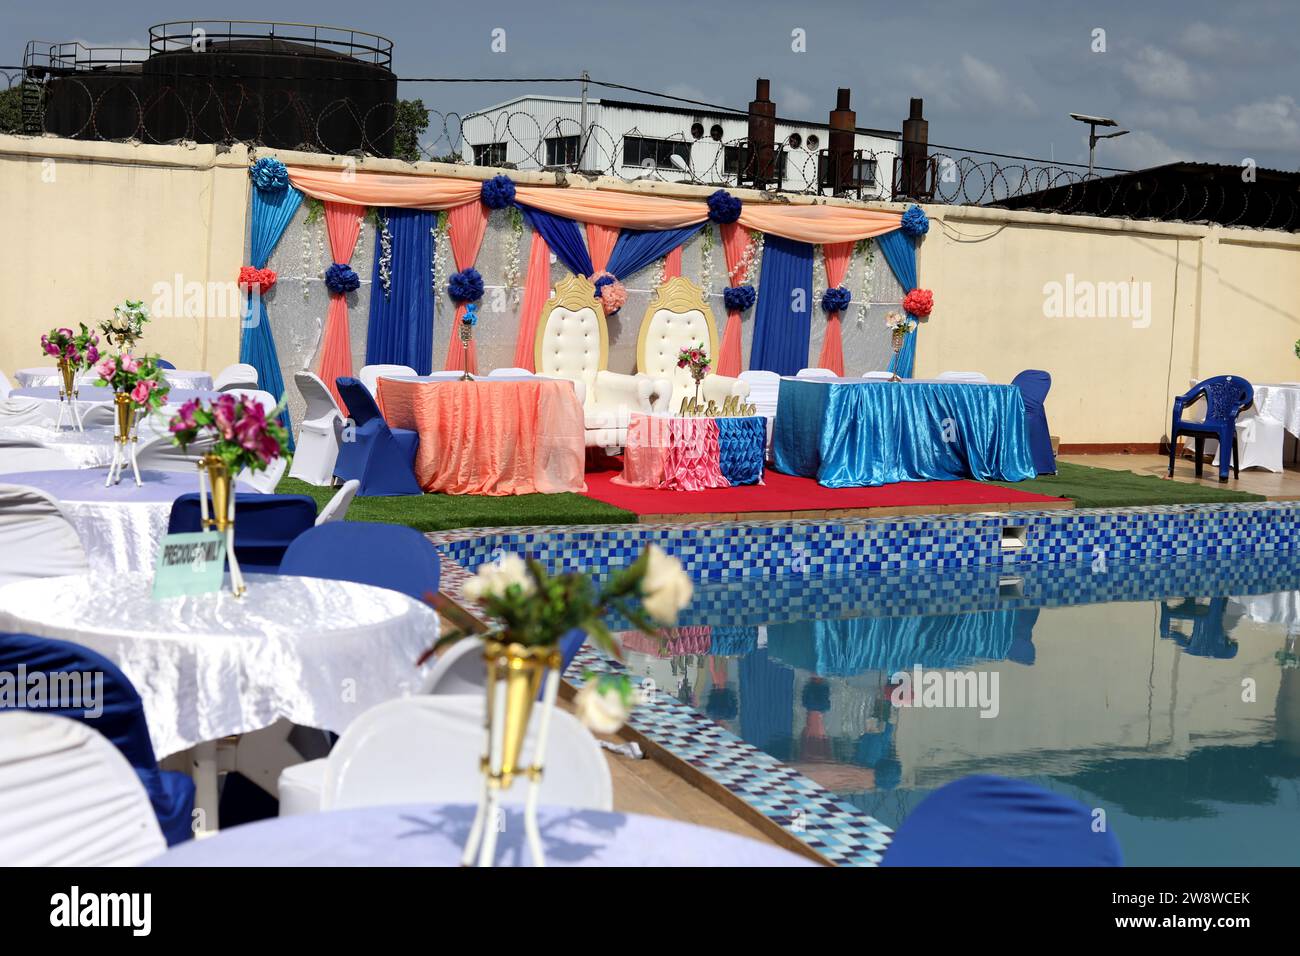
<point>724,207</point>
<point>341,279</point>
<point>738,298</point>
<point>498,192</point>
<point>269,175</point>
<point>915,222</point>
<point>836,299</point>
<point>466,286</point>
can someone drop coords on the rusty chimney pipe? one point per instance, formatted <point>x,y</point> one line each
<point>916,147</point>
<point>761,164</point>
<point>839,156</point>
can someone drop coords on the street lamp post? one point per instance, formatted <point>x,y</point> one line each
<point>1093,122</point>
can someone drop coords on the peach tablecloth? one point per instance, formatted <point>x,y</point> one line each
<point>679,454</point>
<point>509,437</point>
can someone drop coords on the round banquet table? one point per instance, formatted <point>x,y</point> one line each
<point>121,526</point>
<point>434,835</point>
<point>92,448</point>
<point>48,376</point>
<point>207,666</point>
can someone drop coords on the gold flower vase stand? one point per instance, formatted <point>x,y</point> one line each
<point>215,480</point>
<point>125,436</point>
<point>68,396</point>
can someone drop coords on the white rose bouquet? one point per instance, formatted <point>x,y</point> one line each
<point>533,607</point>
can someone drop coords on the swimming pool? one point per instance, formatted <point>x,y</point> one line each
<point>1166,695</point>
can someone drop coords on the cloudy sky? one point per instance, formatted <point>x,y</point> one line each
<point>1192,80</point>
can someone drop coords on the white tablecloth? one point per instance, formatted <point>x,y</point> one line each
<point>120,527</point>
<point>316,652</point>
<point>49,376</point>
<point>1280,402</point>
<point>425,835</point>
<point>92,448</point>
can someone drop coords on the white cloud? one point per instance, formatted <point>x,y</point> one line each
<point>793,103</point>
<point>1201,39</point>
<point>1275,121</point>
<point>990,87</point>
<point>1137,150</point>
<point>1161,75</point>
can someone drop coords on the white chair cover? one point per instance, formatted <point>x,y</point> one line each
<point>371,374</point>
<point>336,509</point>
<point>235,376</point>
<point>426,750</point>
<point>28,456</point>
<point>17,410</point>
<point>962,377</point>
<point>764,387</point>
<point>1260,441</point>
<point>265,399</point>
<point>5,387</point>
<point>266,480</point>
<point>159,453</point>
<point>511,373</point>
<point>321,432</point>
<point>878,376</point>
<point>69,798</point>
<point>36,538</point>
<point>815,373</point>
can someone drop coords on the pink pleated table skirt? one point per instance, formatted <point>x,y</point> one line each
<point>677,454</point>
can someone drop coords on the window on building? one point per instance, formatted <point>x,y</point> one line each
<point>732,157</point>
<point>864,171</point>
<point>561,150</point>
<point>637,150</point>
<point>490,154</point>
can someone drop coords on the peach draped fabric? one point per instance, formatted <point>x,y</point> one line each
<point>537,291</point>
<point>611,208</point>
<point>508,437</point>
<point>735,239</point>
<point>836,256</point>
<point>600,244</point>
<point>465,227</point>
<point>383,189</point>
<point>343,224</point>
<point>818,224</point>
<point>678,454</point>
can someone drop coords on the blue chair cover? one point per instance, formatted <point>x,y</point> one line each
<point>992,821</point>
<point>1226,396</point>
<point>120,719</point>
<point>264,525</point>
<point>163,363</point>
<point>1034,386</point>
<point>381,458</point>
<point>385,555</point>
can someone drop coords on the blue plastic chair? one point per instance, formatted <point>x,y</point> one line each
<point>264,525</point>
<point>1208,637</point>
<point>163,363</point>
<point>1034,385</point>
<point>992,821</point>
<point>385,555</point>
<point>381,458</point>
<point>120,719</point>
<point>1226,396</point>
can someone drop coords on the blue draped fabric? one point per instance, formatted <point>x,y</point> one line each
<point>851,646</point>
<point>564,238</point>
<point>270,216</point>
<point>781,333</point>
<point>853,434</point>
<point>741,443</point>
<point>900,252</point>
<point>401,322</point>
<point>637,248</point>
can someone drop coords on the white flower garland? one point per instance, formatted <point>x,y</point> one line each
<point>864,297</point>
<point>359,249</point>
<point>753,260</point>
<point>513,271</point>
<point>439,233</point>
<point>385,256</point>
<point>306,270</point>
<point>658,275</point>
<point>706,260</point>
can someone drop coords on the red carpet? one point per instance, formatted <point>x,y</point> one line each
<point>788,493</point>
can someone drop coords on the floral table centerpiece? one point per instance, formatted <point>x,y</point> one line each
<point>126,325</point>
<point>236,433</point>
<point>698,361</point>
<point>532,610</point>
<point>136,383</point>
<point>900,327</point>
<point>72,351</point>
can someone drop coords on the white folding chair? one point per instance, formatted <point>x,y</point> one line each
<point>69,798</point>
<point>159,453</point>
<point>37,540</point>
<point>5,387</point>
<point>265,399</point>
<point>426,749</point>
<point>21,455</point>
<point>1260,441</point>
<point>238,375</point>
<point>459,670</point>
<point>445,376</point>
<point>878,376</point>
<point>336,509</point>
<point>17,410</point>
<point>266,480</point>
<point>511,373</point>
<point>320,434</point>
<point>371,374</point>
<point>815,373</point>
<point>978,377</point>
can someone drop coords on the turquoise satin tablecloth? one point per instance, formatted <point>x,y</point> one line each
<point>853,433</point>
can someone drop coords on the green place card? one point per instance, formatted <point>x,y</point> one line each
<point>190,563</point>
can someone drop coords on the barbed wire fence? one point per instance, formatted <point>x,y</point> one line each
<point>99,107</point>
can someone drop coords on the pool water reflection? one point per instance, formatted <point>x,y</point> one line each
<point>1168,696</point>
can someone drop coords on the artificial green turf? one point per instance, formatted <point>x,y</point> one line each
<point>1107,488</point>
<point>446,512</point>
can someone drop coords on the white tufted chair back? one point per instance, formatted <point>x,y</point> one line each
<point>573,340</point>
<point>678,317</point>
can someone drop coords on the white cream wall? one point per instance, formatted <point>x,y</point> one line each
<point>92,224</point>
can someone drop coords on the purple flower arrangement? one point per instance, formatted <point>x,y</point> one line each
<point>78,349</point>
<point>245,436</point>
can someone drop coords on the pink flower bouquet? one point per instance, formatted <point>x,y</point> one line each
<point>140,378</point>
<point>695,359</point>
<point>244,436</point>
<point>79,349</point>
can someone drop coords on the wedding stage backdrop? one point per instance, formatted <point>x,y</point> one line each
<point>394,306</point>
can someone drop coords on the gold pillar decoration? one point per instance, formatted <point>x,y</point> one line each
<point>68,394</point>
<point>124,435</point>
<point>466,333</point>
<point>896,340</point>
